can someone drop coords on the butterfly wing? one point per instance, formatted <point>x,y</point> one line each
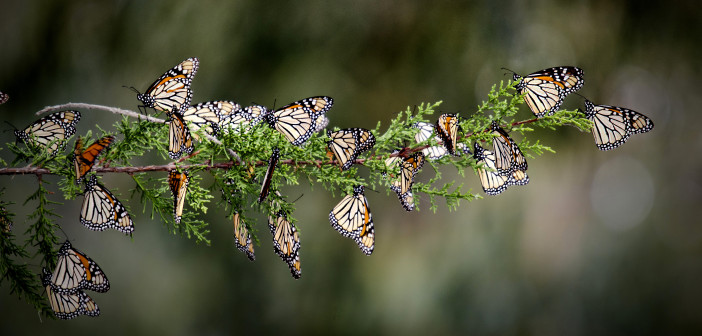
<point>50,132</point>
<point>492,182</point>
<point>245,118</point>
<point>347,144</point>
<point>178,183</point>
<point>426,131</point>
<point>286,242</point>
<point>75,270</point>
<point>508,156</point>
<point>84,160</point>
<point>101,209</point>
<point>352,218</point>
<point>171,91</point>
<point>266,185</point>
<point>544,90</point>
<point>71,305</point>
<point>242,238</point>
<point>179,139</point>
<point>210,115</point>
<point>403,186</point>
<point>447,129</point>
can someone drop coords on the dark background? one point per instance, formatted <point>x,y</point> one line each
<point>599,243</point>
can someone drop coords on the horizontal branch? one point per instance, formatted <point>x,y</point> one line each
<point>167,167</point>
<point>84,106</point>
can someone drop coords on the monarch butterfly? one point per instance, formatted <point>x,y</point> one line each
<point>178,182</point>
<point>347,144</point>
<point>75,270</point>
<point>101,210</point>
<point>4,97</point>
<point>68,306</point>
<point>613,125</point>
<point>179,140</point>
<point>242,238</point>
<point>83,160</point>
<point>286,242</point>
<point>297,121</point>
<point>409,167</point>
<point>266,185</point>
<point>171,91</point>
<point>210,115</point>
<point>426,131</point>
<point>508,156</point>
<point>493,183</point>
<point>447,129</point>
<point>353,219</point>
<point>50,132</point>
<point>545,89</point>
<point>247,117</point>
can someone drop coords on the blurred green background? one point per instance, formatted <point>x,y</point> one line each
<point>599,243</point>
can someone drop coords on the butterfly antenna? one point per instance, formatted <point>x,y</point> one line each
<point>371,189</point>
<point>298,198</point>
<point>11,125</point>
<point>131,88</point>
<point>513,73</point>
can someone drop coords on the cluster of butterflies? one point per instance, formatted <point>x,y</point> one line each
<point>545,90</point>
<point>499,167</point>
<point>75,272</point>
<point>172,93</point>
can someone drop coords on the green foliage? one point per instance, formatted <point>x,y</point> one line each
<point>234,167</point>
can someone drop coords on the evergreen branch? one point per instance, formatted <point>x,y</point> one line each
<point>129,113</point>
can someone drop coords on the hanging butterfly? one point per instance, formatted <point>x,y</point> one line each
<point>50,132</point>
<point>545,89</point>
<point>353,219</point>
<point>4,97</point>
<point>266,185</point>
<point>298,121</point>
<point>447,128</point>
<point>68,306</point>
<point>101,210</point>
<point>242,238</point>
<point>347,144</point>
<point>83,160</point>
<point>75,271</point>
<point>171,91</point>
<point>426,131</point>
<point>613,125</point>
<point>243,119</point>
<point>210,115</point>
<point>508,156</point>
<point>409,167</point>
<point>178,183</point>
<point>179,140</point>
<point>493,183</point>
<point>286,242</point>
